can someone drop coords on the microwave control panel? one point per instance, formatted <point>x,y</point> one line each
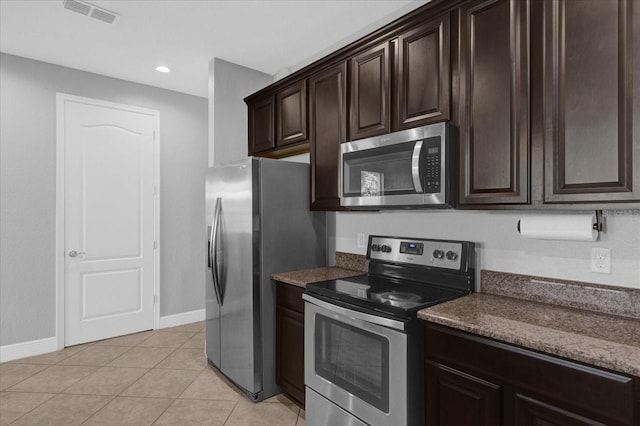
<point>432,165</point>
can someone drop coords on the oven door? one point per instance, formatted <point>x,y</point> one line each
<point>356,363</point>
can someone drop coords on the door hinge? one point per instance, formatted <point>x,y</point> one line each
<point>155,245</point>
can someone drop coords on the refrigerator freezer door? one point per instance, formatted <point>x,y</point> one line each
<point>239,321</point>
<point>212,301</point>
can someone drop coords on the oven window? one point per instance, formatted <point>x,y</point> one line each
<point>354,360</point>
<point>379,171</point>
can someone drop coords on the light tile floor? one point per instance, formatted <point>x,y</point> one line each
<point>150,378</point>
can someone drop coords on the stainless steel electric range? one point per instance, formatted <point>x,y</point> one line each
<point>363,340</point>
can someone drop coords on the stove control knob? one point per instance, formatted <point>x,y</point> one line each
<point>385,249</point>
<point>375,247</point>
<point>438,254</point>
<point>452,255</point>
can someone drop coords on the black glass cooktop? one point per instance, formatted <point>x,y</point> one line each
<point>383,294</point>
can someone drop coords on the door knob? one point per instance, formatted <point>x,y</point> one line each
<point>74,253</point>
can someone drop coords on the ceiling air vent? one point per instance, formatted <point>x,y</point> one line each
<point>90,10</point>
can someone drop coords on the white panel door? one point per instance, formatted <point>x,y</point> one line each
<point>108,220</point>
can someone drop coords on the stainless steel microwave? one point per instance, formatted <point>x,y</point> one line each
<point>407,169</point>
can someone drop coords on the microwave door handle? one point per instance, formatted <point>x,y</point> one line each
<point>415,166</point>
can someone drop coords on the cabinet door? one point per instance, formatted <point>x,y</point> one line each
<point>422,75</point>
<point>291,104</point>
<point>536,389</point>
<point>370,93</point>
<point>328,129</point>
<point>454,398</point>
<point>591,97</point>
<point>290,340</point>
<point>290,352</point>
<point>494,102</point>
<point>529,411</point>
<point>261,121</point>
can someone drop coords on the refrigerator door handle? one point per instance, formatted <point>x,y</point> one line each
<point>214,264</point>
<point>211,251</point>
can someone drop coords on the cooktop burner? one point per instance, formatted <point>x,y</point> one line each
<point>397,298</point>
<point>404,276</point>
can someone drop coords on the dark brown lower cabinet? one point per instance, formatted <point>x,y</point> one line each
<point>472,380</point>
<point>457,398</point>
<point>290,340</point>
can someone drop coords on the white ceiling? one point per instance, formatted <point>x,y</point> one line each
<point>270,35</point>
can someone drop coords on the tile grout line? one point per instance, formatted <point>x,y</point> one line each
<point>235,405</point>
<point>99,410</point>
<point>176,398</point>
<point>24,414</point>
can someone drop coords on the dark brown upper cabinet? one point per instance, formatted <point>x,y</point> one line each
<point>291,109</point>
<point>494,102</point>
<point>261,125</point>
<point>422,74</point>
<point>370,110</point>
<point>591,98</point>
<point>543,94</point>
<point>328,129</point>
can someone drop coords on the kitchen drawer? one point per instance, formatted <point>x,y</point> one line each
<point>290,296</point>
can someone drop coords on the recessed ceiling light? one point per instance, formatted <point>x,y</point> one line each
<point>162,68</point>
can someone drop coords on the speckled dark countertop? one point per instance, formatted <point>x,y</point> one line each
<point>551,322</point>
<point>347,265</point>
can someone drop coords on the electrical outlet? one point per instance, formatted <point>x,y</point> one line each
<point>361,240</point>
<point>601,260</point>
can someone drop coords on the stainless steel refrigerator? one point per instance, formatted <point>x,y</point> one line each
<point>258,223</point>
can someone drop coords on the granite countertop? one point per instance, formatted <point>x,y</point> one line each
<point>584,335</point>
<point>306,276</point>
<point>347,265</point>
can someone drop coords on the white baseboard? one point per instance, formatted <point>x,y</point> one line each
<point>27,349</point>
<point>183,318</point>
<point>50,344</point>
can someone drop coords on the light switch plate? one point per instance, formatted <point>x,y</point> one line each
<point>361,240</point>
<point>601,260</point>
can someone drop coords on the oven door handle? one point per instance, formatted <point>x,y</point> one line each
<point>374,319</point>
<point>415,167</point>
